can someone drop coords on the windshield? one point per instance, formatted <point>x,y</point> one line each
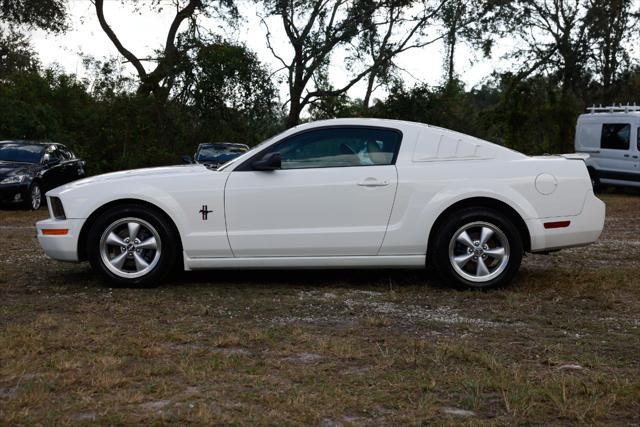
<point>21,153</point>
<point>218,155</point>
<point>253,150</point>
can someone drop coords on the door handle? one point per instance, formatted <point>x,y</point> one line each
<point>372,182</point>
<point>626,155</point>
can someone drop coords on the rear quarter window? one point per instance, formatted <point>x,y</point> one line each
<point>615,136</point>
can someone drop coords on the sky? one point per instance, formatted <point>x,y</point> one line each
<point>142,33</point>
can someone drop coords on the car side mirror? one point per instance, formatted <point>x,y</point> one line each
<point>270,162</point>
<point>186,159</point>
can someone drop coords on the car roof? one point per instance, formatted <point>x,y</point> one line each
<point>361,121</point>
<point>28,142</point>
<point>601,116</point>
<point>222,144</point>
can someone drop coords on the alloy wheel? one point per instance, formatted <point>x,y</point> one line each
<point>479,251</point>
<point>36,197</point>
<point>130,247</point>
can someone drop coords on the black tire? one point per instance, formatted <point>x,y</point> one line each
<point>33,200</point>
<point>150,218</point>
<point>503,234</point>
<point>595,180</point>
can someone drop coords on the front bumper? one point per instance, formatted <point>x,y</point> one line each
<point>60,247</point>
<point>583,229</point>
<point>8,192</point>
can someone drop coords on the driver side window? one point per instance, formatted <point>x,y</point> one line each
<point>52,154</point>
<point>339,147</point>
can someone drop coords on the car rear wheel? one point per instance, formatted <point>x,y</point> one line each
<point>477,248</point>
<point>595,180</point>
<point>132,246</point>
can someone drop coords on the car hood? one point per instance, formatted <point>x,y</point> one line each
<point>14,168</point>
<point>123,176</point>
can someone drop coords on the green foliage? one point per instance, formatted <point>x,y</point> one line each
<point>231,98</point>
<point>46,14</point>
<point>213,90</point>
<point>226,87</point>
<point>15,53</point>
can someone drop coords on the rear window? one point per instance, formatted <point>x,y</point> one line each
<point>615,136</point>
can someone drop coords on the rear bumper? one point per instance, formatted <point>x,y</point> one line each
<point>582,230</point>
<point>60,247</point>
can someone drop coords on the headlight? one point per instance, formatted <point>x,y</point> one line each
<point>15,179</point>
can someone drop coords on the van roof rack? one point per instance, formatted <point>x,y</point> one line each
<point>614,109</point>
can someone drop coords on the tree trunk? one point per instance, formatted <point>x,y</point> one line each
<point>451,47</point>
<point>295,109</point>
<point>367,96</point>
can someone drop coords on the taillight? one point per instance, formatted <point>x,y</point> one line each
<point>557,224</point>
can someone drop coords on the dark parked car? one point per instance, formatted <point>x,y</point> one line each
<point>29,169</point>
<point>216,153</point>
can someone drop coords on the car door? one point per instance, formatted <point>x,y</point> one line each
<point>73,168</point>
<point>636,155</point>
<point>615,159</point>
<point>53,174</point>
<point>332,196</point>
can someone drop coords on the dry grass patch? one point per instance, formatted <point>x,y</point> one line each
<point>560,346</point>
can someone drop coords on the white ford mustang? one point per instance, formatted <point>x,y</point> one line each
<point>330,194</point>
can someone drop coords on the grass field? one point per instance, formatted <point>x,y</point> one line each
<point>330,348</point>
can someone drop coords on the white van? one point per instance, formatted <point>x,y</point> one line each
<point>611,137</point>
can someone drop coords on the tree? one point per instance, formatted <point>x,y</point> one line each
<point>45,14</point>
<point>317,28</point>
<point>610,24</point>
<point>554,44</point>
<point>396,26</point>
<point>554,34</point>
<point>16,54</point>
<point>228,87</point>
<point>158,81</point>
<point>477,22</point>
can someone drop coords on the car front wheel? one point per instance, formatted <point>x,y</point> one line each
<point>477,248</point>
<point>34,198</point>
<point>132,246</point>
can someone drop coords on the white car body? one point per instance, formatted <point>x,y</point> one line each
<point>377,216</point>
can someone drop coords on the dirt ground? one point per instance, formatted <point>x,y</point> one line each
<point>329,348</point>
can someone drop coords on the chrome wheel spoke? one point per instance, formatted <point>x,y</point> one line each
<point>465,239</point>
<point>485,235</point>
<point>118,260</point>
<point>35,197</point>
<point>133,228</point>
<point>149,243</point>
<point>141,264</point>
<point>496,253</point>
<point>115,240</point>
<point>462,260</point>
<point>482,269</point>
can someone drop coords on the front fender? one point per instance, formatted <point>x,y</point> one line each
<point>181,198</point>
